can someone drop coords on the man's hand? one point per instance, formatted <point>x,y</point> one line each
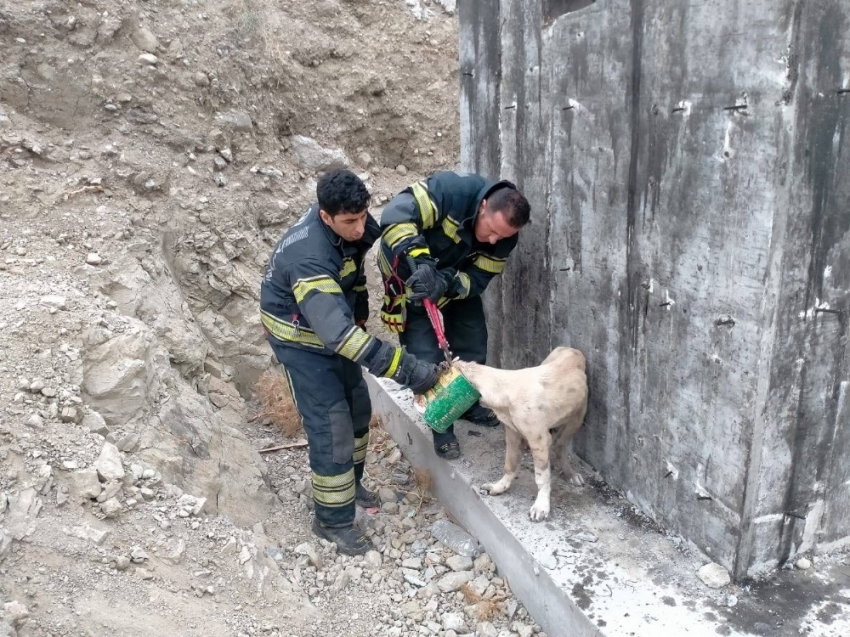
<point>419,375</point>
<point>426,283</point>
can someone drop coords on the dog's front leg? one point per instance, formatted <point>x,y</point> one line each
<point>542,476</point>
<point>513,456</point>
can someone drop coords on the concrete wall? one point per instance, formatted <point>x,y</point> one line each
<point>689,172</point>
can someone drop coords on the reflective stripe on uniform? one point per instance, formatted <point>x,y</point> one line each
<point>492,265</point>
<point>450,227</point>
<point>465,285</point>
<point>427,211</point>
<point>286,331</point>
<point>334,491</point>
<point>359,288</point>
<point>348,267</point>
<point>399,232</point>
<point>393,368</point>
<point>418,252</point>
<point>319,283</point>
<point>360,446</point>
<point>354,343</point>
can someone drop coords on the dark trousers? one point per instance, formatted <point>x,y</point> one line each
<point>466,331</point>
<point>333,401</point>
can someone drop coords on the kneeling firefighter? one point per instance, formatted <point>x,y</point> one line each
<point>314,305</point>
<point>444,239</point>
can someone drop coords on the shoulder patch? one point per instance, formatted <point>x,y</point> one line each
<point>298,235</point>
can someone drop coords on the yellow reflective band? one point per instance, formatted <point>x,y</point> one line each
<point>450,227</point>
<point>442,301</point>
<point>285,331</point>
<point>322,283</point>
<point>418,252</point>
<point>427,212</point>
<point>334,491</point>
<point>359,288</point>
<point>360,447</point>
<point>354,343</point>
<point>465,285</point>
<point>489,264</point>
<point>384,264</point>
<point>393,368</point>
<point>398,233</point>
<point>348,267</point>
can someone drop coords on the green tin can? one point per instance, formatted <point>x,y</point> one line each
<point>447,401</point>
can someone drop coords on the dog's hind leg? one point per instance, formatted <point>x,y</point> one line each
<point>513,456</point>
<point>542,476</point>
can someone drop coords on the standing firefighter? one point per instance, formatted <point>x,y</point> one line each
<point>444,239</point>
<point>313,305</point>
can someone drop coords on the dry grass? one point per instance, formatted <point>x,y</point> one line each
<point>276,403</point>
<point>485,608</point>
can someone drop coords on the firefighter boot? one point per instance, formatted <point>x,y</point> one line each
<point>481,416</point>
<point>349,540</point>
<point>366,499</point>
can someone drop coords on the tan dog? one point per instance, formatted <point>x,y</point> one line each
<point>545,406</point>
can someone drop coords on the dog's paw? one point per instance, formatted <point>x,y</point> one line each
<point>538,512</point>
<point>494,488</point>
<point>576,479</point>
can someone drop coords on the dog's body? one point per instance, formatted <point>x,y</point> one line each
<point>544,405</point>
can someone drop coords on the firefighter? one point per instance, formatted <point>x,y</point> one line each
<point>444,239</point>
<point>313,306</point>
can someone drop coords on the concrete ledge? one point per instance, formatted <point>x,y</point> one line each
<point>597,567</point>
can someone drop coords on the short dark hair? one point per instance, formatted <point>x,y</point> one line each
<point>511,203</point>
<point>341,191</point>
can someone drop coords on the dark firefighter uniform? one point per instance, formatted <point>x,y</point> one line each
<point>313,293</point>
<point>434,219</point>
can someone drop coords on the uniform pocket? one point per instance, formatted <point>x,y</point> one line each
<point>342,430</point>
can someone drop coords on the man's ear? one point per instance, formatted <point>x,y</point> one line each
<point>324,216</point>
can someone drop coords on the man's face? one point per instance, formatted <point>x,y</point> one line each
<point>491,226</point>
<point>348,225</point>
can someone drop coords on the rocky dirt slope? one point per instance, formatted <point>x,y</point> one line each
<point>151,153</point>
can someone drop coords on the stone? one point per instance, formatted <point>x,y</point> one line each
<point>364,159</point>
<point>459,563</point>
<point>69,415</point>
<point>372,560</point>
<point>16,612</point>
<point>144,573</point>
<point>714,575</point>
<point>138,555</point>
<point>91,534</point>
<point>111,508</point>
<point>387,495</point>
<point>401,169</point>
<point>59,302</point>
<point>108,464</point>
<point>236,120</point>
<point>454,621</point>
<point>49,392</point>
<point>95,423</point>
<point>484,563</point>
<point>36,386</point>
<point>93,258</point>
<point>110,490</point>
<point>412,562</point>
<point>122,563</point>
<point>145,40</point>
<point>85,484</point>
<point>453,581</point>
<point>486,629</point>
<point>312,157</point>
<point>149,58</point>
<point>128,443</point>
<point>312,554</point>
<point>803,563</point>
<point>35,421</point>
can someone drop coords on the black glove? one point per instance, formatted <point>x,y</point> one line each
<point>426,283</point>
<point>418,375</point>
